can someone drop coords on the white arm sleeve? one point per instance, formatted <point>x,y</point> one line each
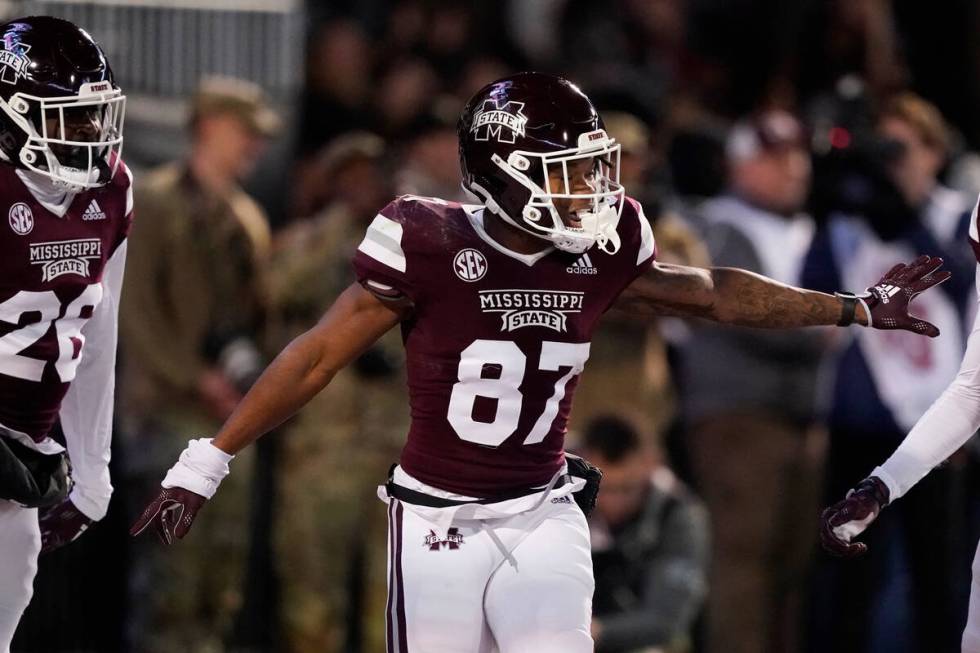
<point>86,412</point>
<point>943,429</point>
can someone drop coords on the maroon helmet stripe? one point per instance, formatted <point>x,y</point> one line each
<point>402,630</point>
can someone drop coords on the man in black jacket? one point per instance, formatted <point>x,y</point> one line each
<point>649,545</point>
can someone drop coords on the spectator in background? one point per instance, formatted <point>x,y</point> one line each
<point>750,400</point>
<point>638,161</point>
<point>635,43</point>
<point>698,168</point>
<point>649,545</point>
<point>192,324</point>
<point>881,386</point>
<point>479,72</point>
<point>430,159</point>
<point>337,96</point>
<point>403,94</point>
<point>850,37</point>
<point>630,354</point>
<point>919,130</point>
<point>329,530</point>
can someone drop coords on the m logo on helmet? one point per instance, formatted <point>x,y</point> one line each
<point>505,123</point>
<point>13,60</point>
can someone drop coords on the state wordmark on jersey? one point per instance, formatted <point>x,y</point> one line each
<point>65,256</point>
<point>530,307</point>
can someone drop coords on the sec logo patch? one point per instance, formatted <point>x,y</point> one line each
<point>470,265</point>
<point>21,219</point>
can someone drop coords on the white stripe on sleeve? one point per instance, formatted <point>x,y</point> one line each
<point>383,243</point>
<point>129,190</point>
<point>647,245</point>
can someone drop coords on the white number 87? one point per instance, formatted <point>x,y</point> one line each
<point>506,388</point>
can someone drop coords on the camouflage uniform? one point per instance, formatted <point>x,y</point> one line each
<point>196,274</point>
<point>337,452</point>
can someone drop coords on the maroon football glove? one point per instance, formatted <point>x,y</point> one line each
<point>60,524</point>
<point>887,302</point>
<point>172,512</point>
<point>845,520</point>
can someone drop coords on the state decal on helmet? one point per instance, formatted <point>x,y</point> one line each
<point>61,113</point>
<point>518,134</point>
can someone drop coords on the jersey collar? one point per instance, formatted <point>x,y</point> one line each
<point>475,214</point>
<point>52,197</point>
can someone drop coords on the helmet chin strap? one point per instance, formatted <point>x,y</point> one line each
<point>481,195</point>
<point>598,227</point>
<point>603,224</point>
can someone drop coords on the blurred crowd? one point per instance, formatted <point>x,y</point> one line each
<point>794,139</point>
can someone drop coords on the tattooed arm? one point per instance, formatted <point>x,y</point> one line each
<point>730,296</point>
<point>743,298</point>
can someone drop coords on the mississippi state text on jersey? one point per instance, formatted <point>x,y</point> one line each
<point>50,284</point>
<point>496,340</point>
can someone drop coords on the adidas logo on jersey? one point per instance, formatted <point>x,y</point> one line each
<point>582,265</point>
<point>93,212</point>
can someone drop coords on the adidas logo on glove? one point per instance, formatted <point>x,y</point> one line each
<point>886,291</point>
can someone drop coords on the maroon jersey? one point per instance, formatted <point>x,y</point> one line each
<point>496,340</point>
<point>50,284</point>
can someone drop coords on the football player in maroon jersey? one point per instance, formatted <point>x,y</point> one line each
<point>497,301</point>
<point>69,208</point>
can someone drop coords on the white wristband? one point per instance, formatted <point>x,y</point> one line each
<point>200,469</point>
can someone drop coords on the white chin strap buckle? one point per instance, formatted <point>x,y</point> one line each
<point>569,243</point>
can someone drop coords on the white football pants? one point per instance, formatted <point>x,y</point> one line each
<point>20,543</point>
<point>517,584</point>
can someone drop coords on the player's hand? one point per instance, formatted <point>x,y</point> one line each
<point>887,302</point>
<point>171,513</point>
<point>60,524</point>
<point>845,520</point>
<point>185,488</point>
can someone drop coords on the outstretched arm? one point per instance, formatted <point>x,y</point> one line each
<point>730,296</point>
<point>951,420</point>
<point>743,298</point>
<point>354,322</point>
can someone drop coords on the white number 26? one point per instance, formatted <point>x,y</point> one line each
<point>67,327</point>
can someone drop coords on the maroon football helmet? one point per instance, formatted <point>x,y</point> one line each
<point>520,133</point>
<point>61,112</point>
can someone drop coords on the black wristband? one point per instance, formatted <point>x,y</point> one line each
<point>848,309</point>
<point>877,488</point>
